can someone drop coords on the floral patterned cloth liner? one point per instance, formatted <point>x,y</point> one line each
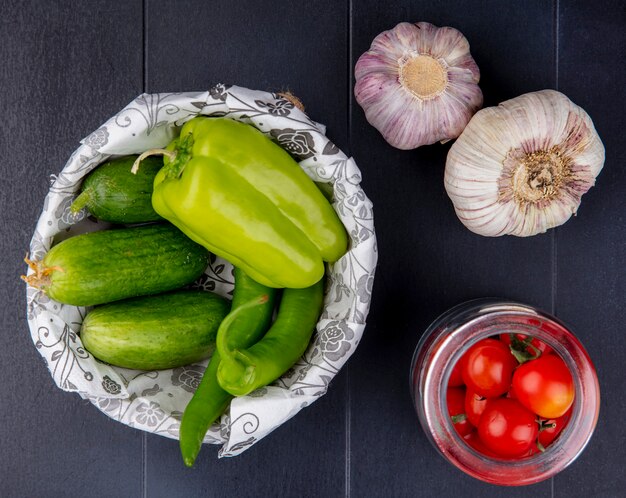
<point>154,401</point>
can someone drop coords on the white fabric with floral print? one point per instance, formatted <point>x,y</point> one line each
<point>155,401</point>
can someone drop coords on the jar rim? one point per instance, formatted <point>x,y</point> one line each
<point>442,345</point>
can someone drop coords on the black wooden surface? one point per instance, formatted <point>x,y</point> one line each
<point>68,66</point>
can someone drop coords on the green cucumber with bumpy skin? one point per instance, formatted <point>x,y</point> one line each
<point>155,332</point>
<point>109,265</point>
<point>112,193</point>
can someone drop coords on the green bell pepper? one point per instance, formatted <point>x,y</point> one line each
<point>234,191</point>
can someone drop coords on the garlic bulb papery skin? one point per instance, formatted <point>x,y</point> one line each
<point>522,167</point>
<point>418,84</point>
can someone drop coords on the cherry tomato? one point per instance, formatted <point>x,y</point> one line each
<point>455,399</point>
<point>456,376</point>
<point>488,367</point>
<point>474,406</point>
<point>475,442</point>
<point>533,450</point>
<point>550,429</point>
<point>531,345</point>
<point>507,428</point>
<point>544,386</point>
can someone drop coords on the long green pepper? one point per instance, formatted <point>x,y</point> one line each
<point>210,400</point>
<point>241,370</point>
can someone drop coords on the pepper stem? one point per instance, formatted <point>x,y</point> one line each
<point>170,154</point>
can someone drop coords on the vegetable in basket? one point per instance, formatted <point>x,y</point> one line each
<point>155,332</point>
<point>210,400</point>
<point>232,190</point>
<point>241,370</point>
<point>112,193</point>
<point>109,265</point>
<point>244,361</point>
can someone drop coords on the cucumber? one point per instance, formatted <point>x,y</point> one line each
<point>155,332</point>
<point>109,265</point>
<point>112,193</point>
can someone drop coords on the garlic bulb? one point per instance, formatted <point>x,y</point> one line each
<point>522,167</point>
<point>418,84</point>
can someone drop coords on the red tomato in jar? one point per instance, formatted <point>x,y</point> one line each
<point>533,450</point>
<point>545,386</point>
<point>455,399</point>
<point>531,345</point>
<point>488,368</point>
<point>550,429</point>
<point>456,376</point>
<point>475,442</point>
<point>507,428</point>
<point>474,406</point>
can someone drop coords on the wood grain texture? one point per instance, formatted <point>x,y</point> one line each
<point>62,74</point>
<point>301,47</point>
<point>428,260</point>
<point>362,439</point>
<point>591,248</point>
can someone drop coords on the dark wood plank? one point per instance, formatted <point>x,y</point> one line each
<point>428,260</point>
<point>299,47</point>
<point>64,71</point>
<point>591,284</point>
<point>303,48</point>
<point>55,444</point>
<point>304,457</point>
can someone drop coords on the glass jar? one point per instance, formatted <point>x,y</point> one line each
<point>443,344</point>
